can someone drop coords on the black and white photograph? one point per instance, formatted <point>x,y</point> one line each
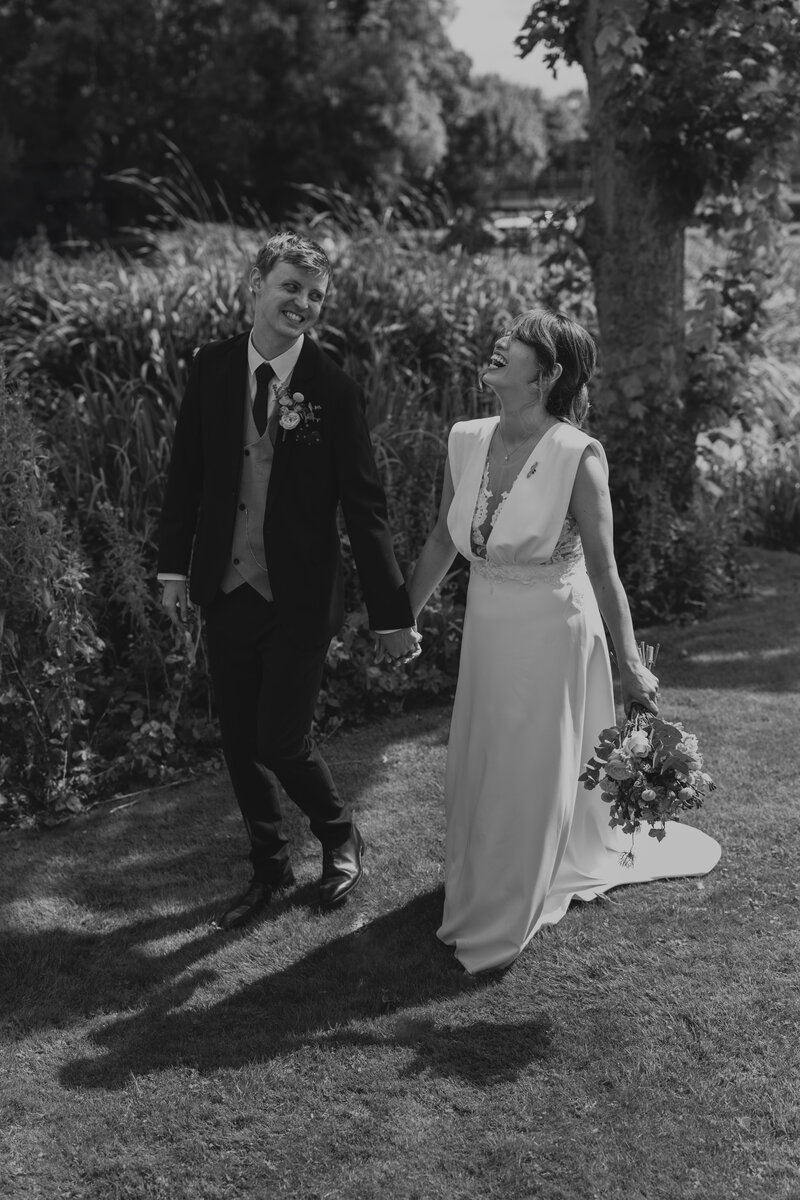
<point>399,592</point>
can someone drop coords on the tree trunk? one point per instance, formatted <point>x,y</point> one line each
<point>635,248</point>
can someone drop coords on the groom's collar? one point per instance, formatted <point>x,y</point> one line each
<point>282,364</point>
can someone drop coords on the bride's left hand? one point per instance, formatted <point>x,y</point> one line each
<point>639,686</point>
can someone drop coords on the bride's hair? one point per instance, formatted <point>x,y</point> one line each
<point>556,338</point>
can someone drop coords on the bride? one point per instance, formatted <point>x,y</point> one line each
<point>526,501</point>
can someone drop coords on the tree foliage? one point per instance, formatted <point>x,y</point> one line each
<point>257,95</point>
<point>690,105</point>
<point>698,90</point>
<point>499,137</point>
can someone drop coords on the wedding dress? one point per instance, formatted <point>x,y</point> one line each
<point>524,838</point>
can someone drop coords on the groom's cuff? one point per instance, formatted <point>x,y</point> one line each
<point>166,577</point>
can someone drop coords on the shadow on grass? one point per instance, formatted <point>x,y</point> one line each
<point>51,976</point>
<point>108,909</point>
<point>483,1053</point>
<point>350,992</point>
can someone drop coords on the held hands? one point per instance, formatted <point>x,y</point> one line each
<point>402,646</point>
<point>175,601</point>
<point>639,686</point>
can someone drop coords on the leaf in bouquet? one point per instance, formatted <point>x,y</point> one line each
<point>658,834</point>
<point>666,733</point>
<point>666,760</point>
<point>609,736</point>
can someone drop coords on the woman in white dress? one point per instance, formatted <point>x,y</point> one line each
<point>526,501</point>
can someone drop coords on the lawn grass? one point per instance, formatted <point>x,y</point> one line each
<point>646,1047</point>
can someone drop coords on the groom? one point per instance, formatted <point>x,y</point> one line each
<point>270,439</point>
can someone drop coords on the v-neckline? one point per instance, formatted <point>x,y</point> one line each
<point>502,504</point>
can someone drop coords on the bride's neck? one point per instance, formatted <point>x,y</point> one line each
<point>518,424</point>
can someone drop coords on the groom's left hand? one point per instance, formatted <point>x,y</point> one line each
<point>403,645</point>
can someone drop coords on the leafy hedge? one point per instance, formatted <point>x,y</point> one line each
<point>97,690</point>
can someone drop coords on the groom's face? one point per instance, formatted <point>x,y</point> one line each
<point>288,300</point>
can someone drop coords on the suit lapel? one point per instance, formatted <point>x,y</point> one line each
<point>234,398</point>
<point>306,366</point>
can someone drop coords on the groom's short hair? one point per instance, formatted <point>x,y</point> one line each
<point>292,248</point>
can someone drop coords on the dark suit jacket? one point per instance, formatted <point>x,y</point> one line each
<point>310,478</point>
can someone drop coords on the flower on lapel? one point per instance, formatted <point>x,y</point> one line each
<point>297,413</point>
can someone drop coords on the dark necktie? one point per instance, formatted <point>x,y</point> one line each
<point>264,374</point>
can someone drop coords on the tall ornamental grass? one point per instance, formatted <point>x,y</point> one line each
<point>102,345</point>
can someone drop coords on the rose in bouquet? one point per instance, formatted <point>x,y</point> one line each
<point>648,770</point>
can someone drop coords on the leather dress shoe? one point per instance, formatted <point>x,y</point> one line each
<point>253,901</point>
<point>341,870</point>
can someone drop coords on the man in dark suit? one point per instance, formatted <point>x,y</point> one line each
<point>270,439</point>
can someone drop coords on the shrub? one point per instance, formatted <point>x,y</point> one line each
<point>756,477</point>
<point>48,641</point>
<point>103,344</point>
<point>680,562</point>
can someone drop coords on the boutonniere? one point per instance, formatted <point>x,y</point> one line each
<point>297,413</point>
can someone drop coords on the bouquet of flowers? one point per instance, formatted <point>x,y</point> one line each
<point>648,770</point>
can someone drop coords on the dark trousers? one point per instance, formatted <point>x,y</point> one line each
<point>266,685</point>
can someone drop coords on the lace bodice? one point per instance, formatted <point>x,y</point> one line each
<point>481,514</point>
<point>568,548</point>
<point>529,534</point>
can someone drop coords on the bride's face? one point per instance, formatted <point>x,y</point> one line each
<point>513,365</point>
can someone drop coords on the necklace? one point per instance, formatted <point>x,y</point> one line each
<point>509,454</point>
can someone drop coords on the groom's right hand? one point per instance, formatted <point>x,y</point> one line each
<point>175,600</point>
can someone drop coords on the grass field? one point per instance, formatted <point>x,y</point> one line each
<point>646,1047</point>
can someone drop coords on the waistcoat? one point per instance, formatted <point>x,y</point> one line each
<point>247,562</point>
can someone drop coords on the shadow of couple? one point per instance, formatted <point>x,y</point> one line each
<point>359,989</point>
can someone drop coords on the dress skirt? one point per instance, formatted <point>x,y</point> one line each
<point>524,838</point>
